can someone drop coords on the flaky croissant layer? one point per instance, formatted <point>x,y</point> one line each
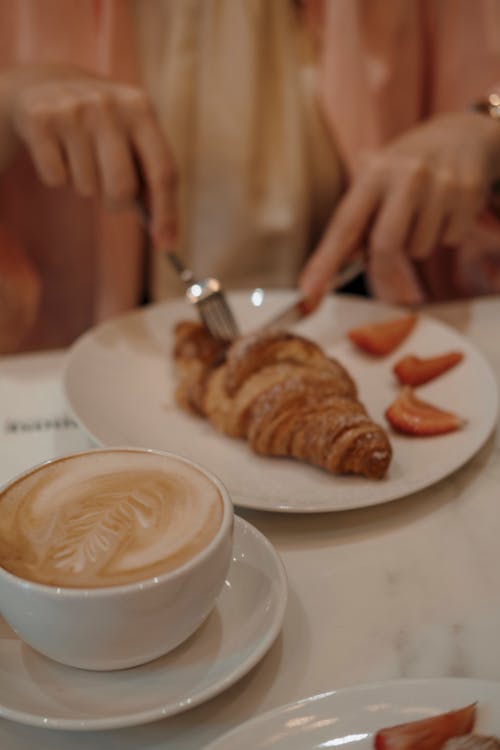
<point>282,394</point>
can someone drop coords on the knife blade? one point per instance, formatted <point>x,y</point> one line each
<point>301,308</point>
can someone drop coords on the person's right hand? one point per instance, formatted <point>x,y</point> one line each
<point>419,195</point>
<point>93,135</point>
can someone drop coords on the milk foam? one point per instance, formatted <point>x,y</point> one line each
<point>106,518</point>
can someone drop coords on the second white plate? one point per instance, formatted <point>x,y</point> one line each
<point>352,716</point>
<point>120,384</point>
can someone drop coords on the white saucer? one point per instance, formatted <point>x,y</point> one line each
<point>246,620</point>
<point>353,715</point>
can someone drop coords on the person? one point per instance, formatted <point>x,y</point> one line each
<point>298,132</point>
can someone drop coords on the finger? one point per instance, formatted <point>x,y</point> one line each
<point>395,217</point>
<point>395,282</point>
<point>343,235</point>
<point>159,172</point>
<point>34,123</point>
<point>80,156</point>
<point>116,171</point>
<point>431,218</point>
<point>463,213</point>
<point>391,273</point>
<point>47,156</point>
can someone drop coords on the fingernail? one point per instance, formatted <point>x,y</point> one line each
<point>313,291</point>
<point>408,300</point>
<point>309,304</point>
<point>415,298</point>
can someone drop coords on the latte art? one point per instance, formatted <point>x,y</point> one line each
<point>90,531</point>
<point>106,519</point>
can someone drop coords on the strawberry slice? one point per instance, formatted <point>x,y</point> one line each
<point>381,338</point>
<point>412,370</point>
<point>427,734</point>
<point>413,416</point>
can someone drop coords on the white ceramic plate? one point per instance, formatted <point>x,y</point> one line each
<point>352,716</point>
<point>245,622</point>
<point>119,382</point>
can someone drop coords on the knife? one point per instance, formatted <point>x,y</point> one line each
<point>301,308</point>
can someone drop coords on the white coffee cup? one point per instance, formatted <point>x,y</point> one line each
<point>113,626</point>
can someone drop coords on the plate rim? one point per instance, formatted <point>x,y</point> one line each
<point>279,576</point>
<point>247,500</point>
<point>220,743</point>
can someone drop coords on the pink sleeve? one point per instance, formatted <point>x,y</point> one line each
<point>387,66</point>
<point>56,230</point>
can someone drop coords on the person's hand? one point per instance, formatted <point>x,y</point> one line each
<point>93,135</point>
<point>423,191</point>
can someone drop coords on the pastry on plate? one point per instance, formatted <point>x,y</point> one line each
<point>282,394</point>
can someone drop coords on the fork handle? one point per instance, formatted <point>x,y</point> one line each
<point>185,274</point>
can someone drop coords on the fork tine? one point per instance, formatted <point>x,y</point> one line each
<point>207,320</point>
<point>210,318</point>
<point>212,322</point>
<point>217,317</point>
<point>224,322</point>
<point>229,321</point>
<point>216,320</point>
<point>227,315</point>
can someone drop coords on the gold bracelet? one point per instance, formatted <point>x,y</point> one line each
<point>489,106</point>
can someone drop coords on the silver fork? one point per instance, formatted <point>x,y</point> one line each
<point>209,300</point>
<point>205,294</point>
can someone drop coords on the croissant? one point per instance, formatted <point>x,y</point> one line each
<point>282,394</point>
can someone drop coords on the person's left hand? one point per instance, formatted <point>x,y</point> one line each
<point>95,135</point>
<point>422,191</point>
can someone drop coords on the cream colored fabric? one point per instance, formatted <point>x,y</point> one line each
<point>235,86</point>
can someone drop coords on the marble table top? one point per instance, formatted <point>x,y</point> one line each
<point>401,590</point>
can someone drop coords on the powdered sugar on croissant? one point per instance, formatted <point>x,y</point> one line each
<point>282,394</point>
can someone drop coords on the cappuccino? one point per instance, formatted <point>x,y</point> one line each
<point>106,518</point>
